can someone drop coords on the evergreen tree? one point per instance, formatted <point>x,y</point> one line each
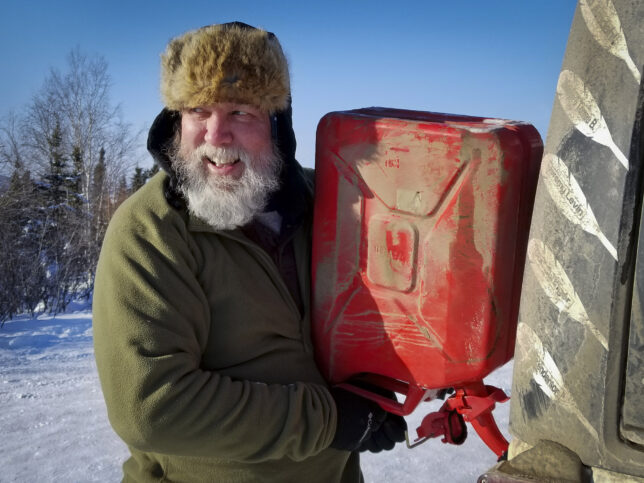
<point>98,196</point>
<point>99,208</point>
<point>138,179</point>
<point>10,299</point>
<point>62,225</point>
<point>75,178</point>
<point>22,273</point>
<point>56,176</point>
<point>152,171</point>
<point>122,192</point>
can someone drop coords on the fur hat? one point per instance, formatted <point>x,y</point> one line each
<point>225,63</point>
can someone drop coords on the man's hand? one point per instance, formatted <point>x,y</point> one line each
<point>390,432</point>
<point>363,425</point>
<point>358,419</point>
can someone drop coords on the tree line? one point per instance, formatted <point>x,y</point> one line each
<point>67,161</point>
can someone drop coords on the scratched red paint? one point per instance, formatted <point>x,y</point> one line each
<point>398,246</point>
<point>421,224</point>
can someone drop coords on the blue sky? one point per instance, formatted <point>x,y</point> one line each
<point>495,58</point>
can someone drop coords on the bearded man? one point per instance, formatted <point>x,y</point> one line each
<point>201,302</point>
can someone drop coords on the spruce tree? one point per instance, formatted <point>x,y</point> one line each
<point>62,227</point>
<point>152,171</point>
<point>138,179</point>
<point>56,188</point>
<point>122,192</point>
<point>23,276</point>
<point>74,180</point>
<point>98,196</point>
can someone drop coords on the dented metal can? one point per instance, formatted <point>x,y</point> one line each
<point>420,233</point>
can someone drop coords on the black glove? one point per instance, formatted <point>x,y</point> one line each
<point>390,432</point>
<point>358,418</point>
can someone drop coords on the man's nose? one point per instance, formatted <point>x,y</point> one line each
<point>218,131</point>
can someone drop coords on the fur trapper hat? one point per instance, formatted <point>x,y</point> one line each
<point>225,63</point>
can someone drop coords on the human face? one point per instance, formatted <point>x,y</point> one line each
<point>226,163</point>
<point>226,125</point>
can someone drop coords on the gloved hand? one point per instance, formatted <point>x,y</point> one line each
<point>390,432</point>
<point>358,418</point>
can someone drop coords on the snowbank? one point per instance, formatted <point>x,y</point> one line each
<point>55,428</point>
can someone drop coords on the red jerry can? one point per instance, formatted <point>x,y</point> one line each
<point>419,241</point>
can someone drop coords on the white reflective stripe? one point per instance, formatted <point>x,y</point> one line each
<point>603,23</point>
<point>570,199</point>
<point>555,283</point>
<point>582,109</point>
<point>547,375</point>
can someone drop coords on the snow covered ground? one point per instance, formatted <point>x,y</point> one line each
<point>54,424</point>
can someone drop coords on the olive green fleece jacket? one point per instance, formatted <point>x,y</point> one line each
<point>205,362</point>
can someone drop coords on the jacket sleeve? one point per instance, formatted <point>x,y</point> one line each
<point>151,323</point>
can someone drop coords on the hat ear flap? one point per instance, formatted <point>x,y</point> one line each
<point>282,131</point>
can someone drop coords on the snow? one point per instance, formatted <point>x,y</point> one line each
<point>55,428</point>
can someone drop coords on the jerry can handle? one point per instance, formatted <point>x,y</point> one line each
<point>414,395</point>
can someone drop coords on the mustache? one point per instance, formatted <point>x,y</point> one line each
<point>216,155</point>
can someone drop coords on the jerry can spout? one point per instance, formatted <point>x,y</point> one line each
<point>472,402</point>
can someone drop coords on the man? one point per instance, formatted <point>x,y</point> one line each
<point>201,302</point>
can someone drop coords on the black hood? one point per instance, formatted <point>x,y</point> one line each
<point>291,200</point>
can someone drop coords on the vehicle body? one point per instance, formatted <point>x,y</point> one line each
<point>577,408</point>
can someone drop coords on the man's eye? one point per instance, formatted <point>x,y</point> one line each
<point>240,113</point>
<point>197,112</point>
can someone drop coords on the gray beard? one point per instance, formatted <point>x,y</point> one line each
<point>222,202</point>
